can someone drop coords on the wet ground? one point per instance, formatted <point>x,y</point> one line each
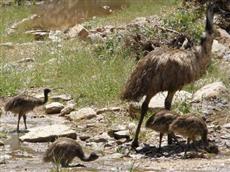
<point>63,14</point>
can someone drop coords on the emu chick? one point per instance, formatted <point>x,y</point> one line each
<point>190,126</point>
<point>64,150</point>
<point>160,122</point>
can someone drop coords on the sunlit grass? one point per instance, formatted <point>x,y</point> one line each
<point>10,15</point>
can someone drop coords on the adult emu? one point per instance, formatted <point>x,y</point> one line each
<point>23,104</point>
<point>167,69</point>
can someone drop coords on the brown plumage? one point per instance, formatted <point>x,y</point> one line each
<point>166,69</point>
<point>190,126</point>
<point>160,122</point>
<point>23,104</point>
<point>64,150</point>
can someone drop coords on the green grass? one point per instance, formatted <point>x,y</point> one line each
<point>10,15</point>
<point>92,73</point>
<point>78,71</point>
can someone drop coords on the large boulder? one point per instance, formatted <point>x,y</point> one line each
<point>219,49</point>
<point>158,100</point>
<point>84,113</point>
<point>213,90</point>
<point>211,99</point>
<point>48,133</point>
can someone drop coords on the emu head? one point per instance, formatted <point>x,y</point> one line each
<point>93,156</point>
<point>46,91</point>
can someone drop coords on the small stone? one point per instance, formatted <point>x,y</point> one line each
<point>131,126</point>
<point>66,110</point>
<point>122,134</point>
<point>54,108</point>
<point>1,143</point>
<point>78,30</point>
<point>84,113</point>
<point>121,141</point>
<point>104,137</point>
<point>84,137</point>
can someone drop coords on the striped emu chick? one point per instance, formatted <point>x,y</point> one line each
<point>23,104</point>
<point>64,150</point>
<point>190,126</point>
<point>160,122</point>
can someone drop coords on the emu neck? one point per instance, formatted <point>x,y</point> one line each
<point>45,98</point>
<point>85,158</point>
<point>204,55</point>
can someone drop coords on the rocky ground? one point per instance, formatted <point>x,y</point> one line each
<point>108,131</point>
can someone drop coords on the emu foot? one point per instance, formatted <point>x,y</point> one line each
<point>159,150</point>
<point>135,144</point>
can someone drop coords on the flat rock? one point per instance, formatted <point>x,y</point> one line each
<point>48,133</point>
<point>158,100</point>
<point>109,109</point>
<point>213,90</point>
<point>227,126</point>
<point>84,113</point>
<point>114,156</point>
<point>121,134</point>
<point>104,137</point>
<point>62,97</point>
<point>54,107</point>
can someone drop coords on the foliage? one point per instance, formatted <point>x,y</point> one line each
<point>186,21</point>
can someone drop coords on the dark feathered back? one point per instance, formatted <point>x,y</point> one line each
<point>23,103</point>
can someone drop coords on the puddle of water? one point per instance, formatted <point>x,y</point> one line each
<point>62,14</point>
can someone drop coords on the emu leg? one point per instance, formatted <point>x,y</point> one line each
<point>187,147</point>
<point>24,119</point>
<point>144,109</point>
<point>161,135</point>
<point>168,104</point>
<point>19,117</point>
